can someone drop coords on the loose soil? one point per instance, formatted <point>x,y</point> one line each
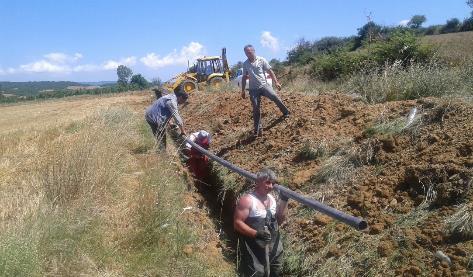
<point>404,181</point>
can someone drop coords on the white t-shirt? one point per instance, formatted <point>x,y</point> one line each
<point>257,72</point>
<point>194,137</point>
<point>261,212</point>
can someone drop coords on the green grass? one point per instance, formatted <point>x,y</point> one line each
<point>19,254</point>
<point>312,151</point>
<point>387,128</point>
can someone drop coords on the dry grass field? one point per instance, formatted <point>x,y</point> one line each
<point>454,47</point>
<point>83,192</point>
<point>44,114</point>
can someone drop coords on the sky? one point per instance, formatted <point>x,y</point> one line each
<point>85,40</point>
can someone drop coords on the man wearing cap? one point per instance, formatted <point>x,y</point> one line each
<point>256,219</point>
<point>160,112</point>
<point>255,69</point>
<point>197,162</point>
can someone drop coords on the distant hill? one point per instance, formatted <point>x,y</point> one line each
<point>455,48</point>
<point>99,83</point>
<point>35,88</point>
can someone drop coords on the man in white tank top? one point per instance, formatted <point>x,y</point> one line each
<point>257,218</point>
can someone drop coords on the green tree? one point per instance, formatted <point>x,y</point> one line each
<point>467,24</point>
<point>452,26</point>
<point>301,53</point>
<point>124,73</point>
<point>156,82</point>
<point>470,3</point>
<point>416,21</point>
<point>369,33</point>
<point>234,68</point>
<point>277,66</point>
<point>139,81</point>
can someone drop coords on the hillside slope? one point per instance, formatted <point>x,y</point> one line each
<point>406,182</point>
<point>454,47</point>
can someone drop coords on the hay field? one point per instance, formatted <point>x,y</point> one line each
<point>84,193</point>
<point>44,114</point>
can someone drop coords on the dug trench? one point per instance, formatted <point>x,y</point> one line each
<point>218,201</point>
<point>409,182</point>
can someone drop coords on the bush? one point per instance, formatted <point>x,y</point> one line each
<point>401,47</point>
<point>336,65</point>
<point>306,51</point>
<point>453,25</point>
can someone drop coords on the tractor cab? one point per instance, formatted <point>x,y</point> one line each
<point>206,66</point>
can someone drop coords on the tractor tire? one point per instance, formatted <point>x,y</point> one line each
<point>216,82</point>
<point>188,86</point>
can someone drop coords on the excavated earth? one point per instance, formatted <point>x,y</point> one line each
<point>405,181</point>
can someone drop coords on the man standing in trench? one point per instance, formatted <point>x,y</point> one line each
<point>255,69</point>
<point>257,218</point>
<point>159,113</point>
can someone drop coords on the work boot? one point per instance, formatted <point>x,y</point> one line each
<point>258,134</point>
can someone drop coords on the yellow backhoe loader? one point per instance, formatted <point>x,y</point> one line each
<point>210,70</point>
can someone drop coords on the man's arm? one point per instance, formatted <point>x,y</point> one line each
<point>242,211</point>
<point>273,76</point>
<point>243,85</point>
<point>175,114</point>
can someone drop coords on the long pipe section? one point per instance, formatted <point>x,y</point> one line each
<point>356,222</point>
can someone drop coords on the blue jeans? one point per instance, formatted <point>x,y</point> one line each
<point>255,97</point>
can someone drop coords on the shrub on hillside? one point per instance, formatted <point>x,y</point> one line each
<point>306,51</point>
<point>402,47</point>
<point>333,66</point>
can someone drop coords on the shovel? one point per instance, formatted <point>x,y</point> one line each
<point>266,255</point>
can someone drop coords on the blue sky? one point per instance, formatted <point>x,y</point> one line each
<point>86,40</point>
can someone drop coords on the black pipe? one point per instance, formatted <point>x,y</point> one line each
<point>355,222</point>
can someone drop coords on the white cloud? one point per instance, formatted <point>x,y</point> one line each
<point>188,52</point>
<point>269,41</point>
<point>44,66</point>
<point>64,63</point>
<point>404,22</point>
<point>112,64</point>
<point>55,62</point>
<point>62,58</point>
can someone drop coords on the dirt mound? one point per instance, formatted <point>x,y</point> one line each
<point>361,158</point>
